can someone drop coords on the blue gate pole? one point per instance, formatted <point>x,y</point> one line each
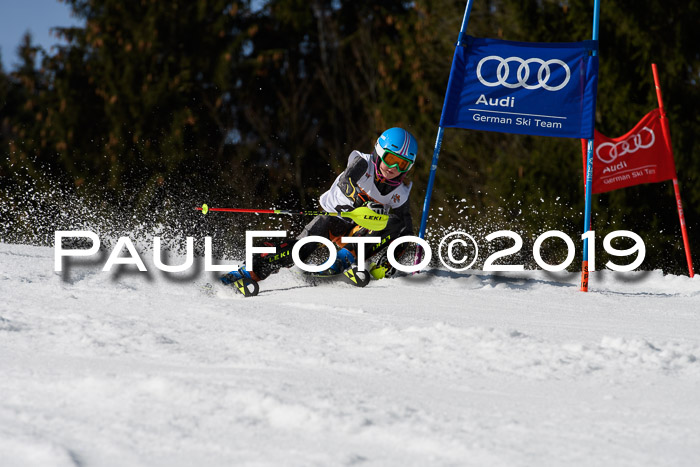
<point>589,170</point>
<point>438,144</point>
<point>431,182</point>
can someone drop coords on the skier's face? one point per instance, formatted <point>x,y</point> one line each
<point>388,172</point>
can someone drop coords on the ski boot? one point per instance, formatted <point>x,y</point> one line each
<point>343,261</point>
<point>345,268</point>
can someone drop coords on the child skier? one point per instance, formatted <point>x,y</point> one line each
<point>375,180</point>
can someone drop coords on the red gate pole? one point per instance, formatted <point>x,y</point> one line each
<point>667,137</point>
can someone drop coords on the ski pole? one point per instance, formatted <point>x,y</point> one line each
<point>362,216</point>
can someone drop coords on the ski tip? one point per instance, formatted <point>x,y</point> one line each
<point>357,278</point>
<point>205,209</point>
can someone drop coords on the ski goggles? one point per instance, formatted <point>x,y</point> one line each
<point>393,160</point>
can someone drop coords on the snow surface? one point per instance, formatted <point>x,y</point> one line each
<point>516,369</point>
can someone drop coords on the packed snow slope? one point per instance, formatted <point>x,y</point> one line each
<point>517,369</point>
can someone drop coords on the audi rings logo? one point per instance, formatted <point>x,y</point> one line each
<point>523,72</point>
<point>608,152</point>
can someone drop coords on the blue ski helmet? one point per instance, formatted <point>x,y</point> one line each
<point>397,141</point>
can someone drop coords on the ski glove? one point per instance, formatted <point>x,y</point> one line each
<point>379,208</point>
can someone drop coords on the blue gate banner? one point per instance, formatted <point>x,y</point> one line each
<point>529,88</point>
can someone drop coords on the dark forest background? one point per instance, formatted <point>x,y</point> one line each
<point>155,107</point>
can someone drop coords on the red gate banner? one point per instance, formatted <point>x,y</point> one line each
<point>640,156</point>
